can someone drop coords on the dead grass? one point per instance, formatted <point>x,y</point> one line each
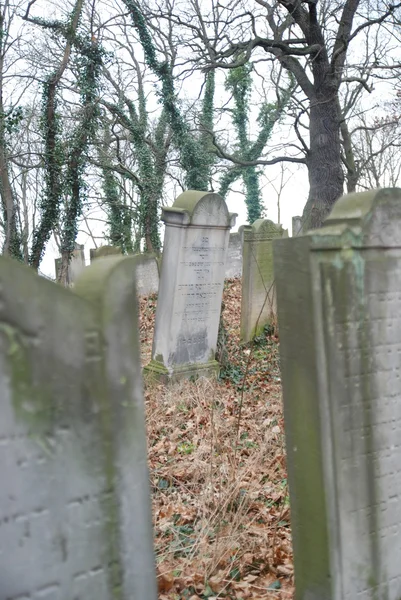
<point>220,497</point>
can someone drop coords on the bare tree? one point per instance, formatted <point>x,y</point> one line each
<point>377,151</point>
<point>10,116</point>
<point>324,45</point>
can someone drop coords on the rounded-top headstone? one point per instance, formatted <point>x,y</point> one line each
<point>262,229</point>
<point>375,215</point>
<point>351,207</point>
<point>104,251</point>
<point>267,227</point>
<point>199,208</point>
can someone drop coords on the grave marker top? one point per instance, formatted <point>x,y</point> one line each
<point>199,209</point>
<point>103,251</point>
<point>262,229</point>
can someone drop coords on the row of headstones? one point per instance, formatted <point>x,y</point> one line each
<point>197,231</point>
<point>146,273</point>
<point>249,253</point>
<point>75,517</point>
<point>148,277</point>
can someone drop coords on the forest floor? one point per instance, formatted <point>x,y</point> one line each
<point>218,472</point>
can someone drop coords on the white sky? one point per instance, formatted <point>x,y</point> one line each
<point>293,195</point>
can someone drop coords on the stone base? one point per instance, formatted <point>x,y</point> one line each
<point>157,371</point>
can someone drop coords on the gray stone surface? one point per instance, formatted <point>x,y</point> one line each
<point>258,303</point>
<point>76,266</point>
<point>296,226</point>
<point>104,251</point>
<point>234,255</point>
<point>146,272</point>
<point>191,286</point>
<point>75,520</point>
<point>339,309</point>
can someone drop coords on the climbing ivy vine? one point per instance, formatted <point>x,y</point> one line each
<point>120,216</point>
<point>151,160</point>
<point>65,154</point>
<point>88,64</point>
<point>239,83</point>
<point>194,153</point>
<point>10,119</point>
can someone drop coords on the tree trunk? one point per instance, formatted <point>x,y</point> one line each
<point>349,159</point>
<point>326,177</point>
<point>63,276</point>
<point>11,244</point>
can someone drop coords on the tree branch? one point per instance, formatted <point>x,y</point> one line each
<point>252,163</point>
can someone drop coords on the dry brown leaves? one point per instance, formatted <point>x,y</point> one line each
<point>218,474</point>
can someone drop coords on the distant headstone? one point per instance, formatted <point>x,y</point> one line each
<point>191,286</point>
<point>234,255</point>
<point>76,266</point>
<point>146,271</point>
<point>75,515</point>
<point>339,309</point>
<point>258,304</point>
<point>147,274</point>
<point>296,226</point>
<point>103,251</point>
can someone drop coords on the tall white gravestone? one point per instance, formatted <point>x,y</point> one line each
<point>191,286</point>
<point>75,513</point>
<point>339,309</point>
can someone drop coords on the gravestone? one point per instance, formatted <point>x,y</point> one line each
<point>339,309</point>
<point>258,303</point>
<point>103,251</point>
<point>296,226</point>
<point>76,266</point>
<point>191,286</point>
<point>234,255</point>
<point>75,520</point>
<point>147,274</point>
<point>146,271</point>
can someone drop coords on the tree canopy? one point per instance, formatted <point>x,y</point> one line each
<point>108,111</point>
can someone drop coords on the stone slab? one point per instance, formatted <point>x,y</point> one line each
<point>191,286</point>
<point>258,303</point>
<point>146,273</point>
<point>75,516</point>
<point>76,266</point>
<point>339,309</point>
<point>234,255</point>
<point>296,226</point>
<point>103,251</point>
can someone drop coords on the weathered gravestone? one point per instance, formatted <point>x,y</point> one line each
<point>258,304</point>
<point>76,266</point>
<point>146,270</point>
<point>147,274</point>
<point>191,286</point>
<point>339,309</point>
<point>234,255</point>
<point>104,251</point>
<point>296,226</point>
<point>75,520</point>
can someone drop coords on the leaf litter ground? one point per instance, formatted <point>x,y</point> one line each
<point>218,472</point>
